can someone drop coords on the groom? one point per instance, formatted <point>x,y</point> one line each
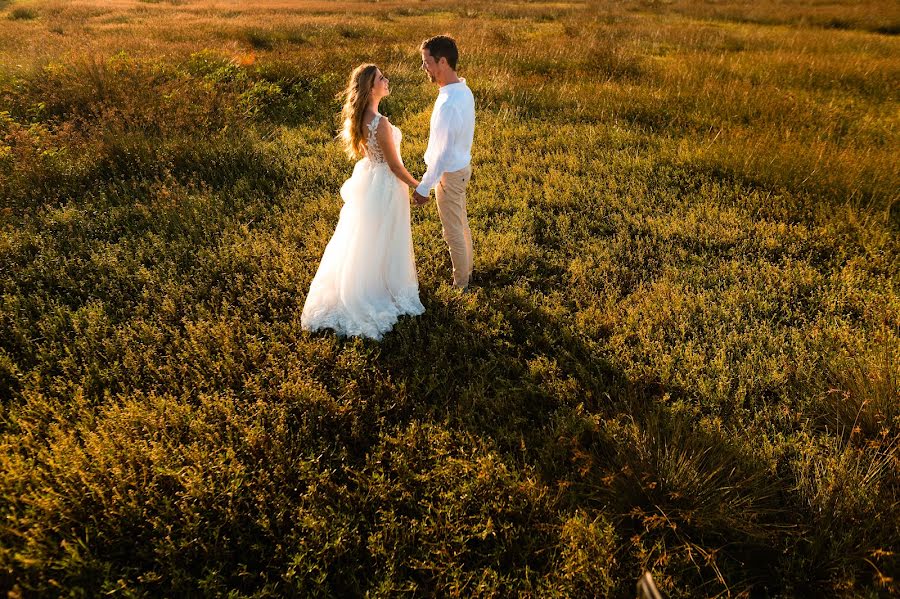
<point>449,152</point>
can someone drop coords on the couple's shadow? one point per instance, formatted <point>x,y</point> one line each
<point>505,365</point>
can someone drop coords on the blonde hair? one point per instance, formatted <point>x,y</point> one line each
<point>356,100</point>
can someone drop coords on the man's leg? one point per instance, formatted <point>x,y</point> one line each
<point>467,231</point>
<point>451,203</point>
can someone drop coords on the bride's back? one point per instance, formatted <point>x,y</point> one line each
<point>373,149</point>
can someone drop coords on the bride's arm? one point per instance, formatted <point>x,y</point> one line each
<point>386,142</point>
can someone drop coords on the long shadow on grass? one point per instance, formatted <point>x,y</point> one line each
<point>500,366</point>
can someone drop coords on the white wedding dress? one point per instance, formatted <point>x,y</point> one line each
<point>367,277</point>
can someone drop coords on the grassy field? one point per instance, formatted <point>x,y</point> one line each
<point>681,355</point>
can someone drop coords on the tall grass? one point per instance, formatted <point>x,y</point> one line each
<point>680,355</point>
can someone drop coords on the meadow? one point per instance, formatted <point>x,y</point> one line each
<point>680,354</point>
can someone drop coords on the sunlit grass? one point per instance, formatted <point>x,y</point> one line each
<point>680,354</point>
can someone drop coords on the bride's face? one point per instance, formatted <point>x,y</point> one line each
<point>381,87</point>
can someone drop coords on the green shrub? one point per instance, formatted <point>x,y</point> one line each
<point>22,13</point>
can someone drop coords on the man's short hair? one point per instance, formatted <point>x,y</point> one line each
<point>442,46</point>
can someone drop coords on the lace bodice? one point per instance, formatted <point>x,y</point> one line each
<point>373,150</point>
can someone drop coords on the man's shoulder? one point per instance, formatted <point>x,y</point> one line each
<point>463,88</point>
<point>461,94</point>
<point>465,93</point>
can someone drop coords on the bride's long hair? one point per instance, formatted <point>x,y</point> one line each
<point>356,99</point>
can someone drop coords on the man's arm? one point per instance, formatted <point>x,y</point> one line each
<point>442,134</point>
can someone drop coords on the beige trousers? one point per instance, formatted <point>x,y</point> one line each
<point>450,194</point>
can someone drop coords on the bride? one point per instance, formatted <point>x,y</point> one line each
<point>367,276</point>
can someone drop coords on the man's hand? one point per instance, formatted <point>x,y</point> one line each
<point>419,199</point>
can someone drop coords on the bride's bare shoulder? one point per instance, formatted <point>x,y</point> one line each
<point>369,117</point>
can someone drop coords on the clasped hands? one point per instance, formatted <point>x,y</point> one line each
<point>419,199</point>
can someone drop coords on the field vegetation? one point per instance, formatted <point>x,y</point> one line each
<point>680,354</point>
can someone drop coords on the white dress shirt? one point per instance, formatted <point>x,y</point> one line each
<point>452,131</point>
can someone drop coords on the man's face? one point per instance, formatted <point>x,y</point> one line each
<point>429,65</point>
